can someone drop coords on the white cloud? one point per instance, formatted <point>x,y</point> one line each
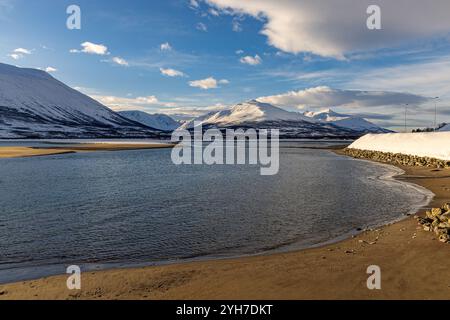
<point>15,56</point>
<point>92,48</point>
<point>165,46</point>
<point>120,61</point>
<point>236,26</point>
<point>208,83</point>
<point>121,103</point>
<point>193,3</point>
<point>202,27</point>
<point>333,28</point>
<point>253,61</point>
<point>22,51</point>
<point>50,69</point>
<point>239,52</point>
<point>325,97</point>
<point>171,72</point>
<point>213,12</point>
<point>19,53</point>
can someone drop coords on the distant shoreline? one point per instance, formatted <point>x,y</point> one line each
<point>23,152</point>
<point>335,271</point>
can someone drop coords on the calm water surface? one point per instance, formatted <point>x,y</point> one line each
<point>108,209</point>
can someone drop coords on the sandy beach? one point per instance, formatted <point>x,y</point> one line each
<point>414,265</point>
<point>20,152</point>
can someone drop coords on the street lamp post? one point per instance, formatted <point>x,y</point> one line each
<point>406,111</point>
<point>435,112</point>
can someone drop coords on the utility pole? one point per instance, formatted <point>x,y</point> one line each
<point>406,111</point>
<point>435,112</point>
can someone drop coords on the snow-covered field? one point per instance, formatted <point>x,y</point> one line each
<point>429,144</point>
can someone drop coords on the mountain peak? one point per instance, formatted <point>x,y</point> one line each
<point>344,120</point>
<point>34,104</point>
<point>156,121</point>
<point>24,72</point>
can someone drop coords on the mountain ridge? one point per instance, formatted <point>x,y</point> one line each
<point>258,115</point>
<point>157,121</point>
<point>33,104</point>
<point>345,120</point>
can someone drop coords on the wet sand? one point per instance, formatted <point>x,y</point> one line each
<point>414,265</point>
<point>20,152</point>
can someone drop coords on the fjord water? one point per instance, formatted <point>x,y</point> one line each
<point>125,208</point>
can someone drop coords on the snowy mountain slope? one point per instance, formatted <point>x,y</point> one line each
<point>445,128</point>
<point>254,114</point>
<point>425,144</point>
<point>251,111</point>
<point>345,121</point>
<point>158,121</point>
<point>34,104</point>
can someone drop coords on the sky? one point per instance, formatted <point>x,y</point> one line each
<point>188,57</point>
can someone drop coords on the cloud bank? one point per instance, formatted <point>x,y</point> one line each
<point>325,97</point>
<point>333,28</point>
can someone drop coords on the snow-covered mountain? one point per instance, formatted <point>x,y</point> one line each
<point>157,121</point>
<point>346,121</point>
<point>445,128</point>
<point>33,104</point>
<point>258,115</point>
<point>251,111</point>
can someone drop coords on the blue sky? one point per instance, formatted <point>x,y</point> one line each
<point>185,57</point>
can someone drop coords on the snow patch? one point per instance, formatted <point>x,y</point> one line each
<point>345,121</point>
<point>156,121</point>
<point>429,144</point>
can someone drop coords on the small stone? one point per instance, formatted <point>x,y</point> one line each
<point>3,292</point>
<point>444,238</point>
<point>444,225</point>
<point>429,215</point>
<point>436,212</point>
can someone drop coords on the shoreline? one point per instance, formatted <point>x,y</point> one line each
<point>26,152</point>
<point>289,275</point>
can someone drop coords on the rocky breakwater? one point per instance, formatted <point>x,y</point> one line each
<point>397,158</point>
<point>438,221</point>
